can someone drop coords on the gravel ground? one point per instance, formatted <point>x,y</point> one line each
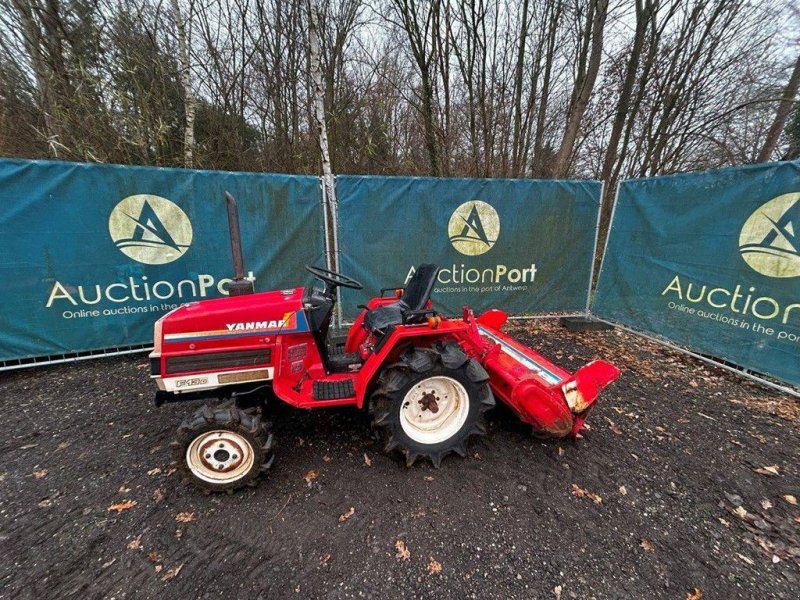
<point>683,486</point>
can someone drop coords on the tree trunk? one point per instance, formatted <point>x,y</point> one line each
<point>584,84</point>
<point>319,122</point>
<point>784,108</point>
<point>186,82</point>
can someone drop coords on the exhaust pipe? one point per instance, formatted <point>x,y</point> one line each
<point>239,286</point>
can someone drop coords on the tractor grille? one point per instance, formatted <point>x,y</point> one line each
<point>217,360</point>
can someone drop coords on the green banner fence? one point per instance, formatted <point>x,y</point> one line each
<point>93,254</point>
<point>525,246</point>
<point>710,261</point>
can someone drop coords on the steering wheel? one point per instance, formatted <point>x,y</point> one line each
<point>333,279</point>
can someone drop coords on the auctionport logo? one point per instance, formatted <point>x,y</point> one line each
<point>474,227</point>
<point>150,229</point>
<point>770,239</point>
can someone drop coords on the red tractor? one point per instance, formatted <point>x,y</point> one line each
<point>427,380</point>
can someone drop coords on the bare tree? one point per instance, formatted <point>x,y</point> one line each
<point>788,99</point>
<point>589,57</point>
<point>184,41</point>
<point>421,23</point>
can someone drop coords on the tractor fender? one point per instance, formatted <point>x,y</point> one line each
<point>400,341</point>
<point>494,318</point>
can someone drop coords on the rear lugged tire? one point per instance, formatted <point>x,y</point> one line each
<point>223,448</point>
<point>431,402</point>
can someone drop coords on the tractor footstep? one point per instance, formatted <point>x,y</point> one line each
<point>334,390</point>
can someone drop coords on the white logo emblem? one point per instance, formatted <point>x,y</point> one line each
<point>474,227</point>
<point>770,238</point>
<point>150,229</point>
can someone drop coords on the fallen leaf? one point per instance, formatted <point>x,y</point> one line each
<point>310,476</point>
<point>745,559</point>
<point>170,472</point>
<point>695,594</point>
<point>790,499</point>
<point>429,478</point>
<point>766,504</point>
<point>45,503</point>
<point>740,512</point>
<point>561,451</point>
<point>154,471</point>
<point>109,563</point>
<point>434,566</point>
<point>476,456</point>
<point>184,517</point>
<point>172,573</point>
<point>326,458</point>
<point>623,491</point>
<point>616,429</point>
<point>418,514</point>
<point>178,533</point>
<point>647,545</point>
<point>766,546</point>
<point>693,383</point>
<point>557,591</point>
<point>301,442</point>
<point>120,506</point>
<point>583,493</point>
<point>724,522</point>
<point>158,495</point>
<point>123,490</point>
<point>344,516</point>
<point>324,560</point>
<point>135,543</point>
<point>142,366</point>
<point>158,568</point>
<point>771,470</point>
<point>403,553</point>
<point>367,460</point>
<point>153,556</point>
<point>40,473</point>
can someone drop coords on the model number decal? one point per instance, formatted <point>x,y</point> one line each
<point>179,383</point>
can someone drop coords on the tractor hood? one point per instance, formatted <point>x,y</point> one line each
<point>205,323</point>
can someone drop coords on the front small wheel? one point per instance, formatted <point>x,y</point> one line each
<point>221,449</point>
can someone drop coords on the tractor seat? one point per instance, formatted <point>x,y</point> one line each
<point>415,297</point>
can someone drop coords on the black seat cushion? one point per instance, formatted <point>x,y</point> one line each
<point>415,297</point>
<point>383,317</point>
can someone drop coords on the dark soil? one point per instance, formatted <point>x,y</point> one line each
<point>671,453</point>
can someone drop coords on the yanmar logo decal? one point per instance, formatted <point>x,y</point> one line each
<point>292,322</point>
<point>289,321</point>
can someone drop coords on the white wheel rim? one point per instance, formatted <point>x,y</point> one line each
<point>434,410</point>
<point>220,456</point>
